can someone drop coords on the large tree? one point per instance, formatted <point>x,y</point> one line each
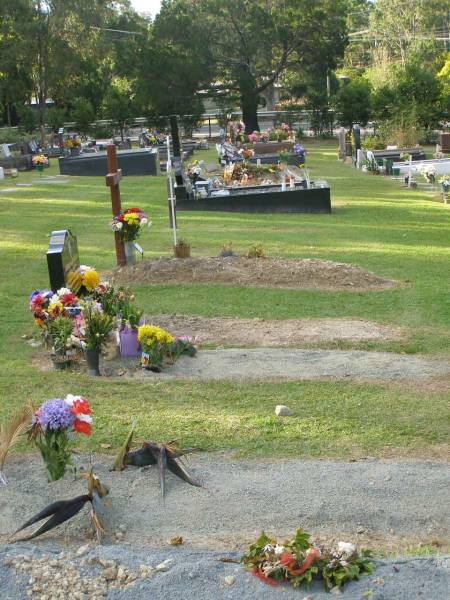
<point>243,46</point>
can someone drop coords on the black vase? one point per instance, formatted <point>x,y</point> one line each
<point>92,359</point>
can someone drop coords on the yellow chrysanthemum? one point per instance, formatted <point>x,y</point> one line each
<point>147,334</point>
<point>131,218</point>
<point>91,280</point>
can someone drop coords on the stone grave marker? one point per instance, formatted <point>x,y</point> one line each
<point>342,149</point>
<point>5,152</point>
<point>63,260</point>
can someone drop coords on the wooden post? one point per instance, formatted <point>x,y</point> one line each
<point>112,181</point>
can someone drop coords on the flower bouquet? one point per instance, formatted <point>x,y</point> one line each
<point>97,327</point>
<point>445,184</point>
<point>155,343</point>
<point>84,280</point>
<point>129,223</point>
<point>301,153</point>
<point>40,162</point>
<point>297,561</point>
<point>429,172</point>
<point>72,143</point>
<point>53,426</point>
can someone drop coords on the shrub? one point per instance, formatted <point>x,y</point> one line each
<point>256,251</point>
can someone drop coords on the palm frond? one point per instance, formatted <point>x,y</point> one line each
<point>59,512</point>
<point>10,433</point>
<point>119,463</point>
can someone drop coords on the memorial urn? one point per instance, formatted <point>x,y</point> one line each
<point>92,358</point>
<point>130,252</point>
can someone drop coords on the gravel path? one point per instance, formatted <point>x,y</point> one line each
<point>376,501</point>
<point>273,363</point>
<point>195,575</point>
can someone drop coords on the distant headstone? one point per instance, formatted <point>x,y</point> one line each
<point>357,137</point>
<point>342,149</point>
<point>63,260</point>
<point>5,152</point>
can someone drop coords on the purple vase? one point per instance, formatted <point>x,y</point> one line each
<point>129,345</point>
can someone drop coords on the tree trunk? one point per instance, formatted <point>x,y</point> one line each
<point>249,105</point>
<point>249,100</point>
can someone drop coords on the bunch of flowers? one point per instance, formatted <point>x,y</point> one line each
<point>254,137</point>
<point>300,151</point>
<point>155,343</point>
<point>129,224</point>
<point>248,153</point>
<point>445,183</point>
<point>39,160</point>
<point>53,425</point>
<point>297,561</point>
<point>84,280</point>
<point>429,172</point>
<point>194,171</point>
<point>72,143</point>
<point>280,134</point>
<point>39,305</point>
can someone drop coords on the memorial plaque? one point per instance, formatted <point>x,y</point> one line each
<point>63,260</point>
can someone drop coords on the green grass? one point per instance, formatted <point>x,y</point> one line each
<point>395,232</point>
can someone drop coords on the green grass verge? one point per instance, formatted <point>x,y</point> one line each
<point>377,224</point>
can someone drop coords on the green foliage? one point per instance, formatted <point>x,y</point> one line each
<point>118,103</point>
<point>352,102</point>
<point>83,114</point>
<point>98,326</point>
<point>54,447</point>
<point>11,136</point>
<point>373,142</point>
<point>60,330</point>
<point>256,251</point>
<point>55,118</point>
<point>27,119</point>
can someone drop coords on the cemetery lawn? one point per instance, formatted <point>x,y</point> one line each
<point>396,233</point>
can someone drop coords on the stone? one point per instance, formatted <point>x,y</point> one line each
<point>229,580</point>
<point>82,550</point>
<point>164,566</point>
<point>283,411</point>
<point>110,574</point>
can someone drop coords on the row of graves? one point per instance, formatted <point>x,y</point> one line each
<point>410,165</point>
<point>256,177</point>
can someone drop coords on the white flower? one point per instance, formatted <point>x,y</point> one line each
<point>269,548</point>
<point>279,549</point>
<point>118,226</point>
<point>144,221</point>
<point>85,418</point>
<point>70,399</point>
<point>63,291</point>
<point>346,548</point>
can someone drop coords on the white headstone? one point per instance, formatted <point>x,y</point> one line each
<point>5,152</point>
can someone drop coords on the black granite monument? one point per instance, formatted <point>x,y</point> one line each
<point>62,259</point>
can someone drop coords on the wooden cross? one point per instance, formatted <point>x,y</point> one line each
<point>112,180</point>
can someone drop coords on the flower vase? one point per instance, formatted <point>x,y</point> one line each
<point>40,168</point>
<point>75,151</point>
<point>93,358</point>
<point>55,452</point>
<point>130,253</point>
<point>129,345</point>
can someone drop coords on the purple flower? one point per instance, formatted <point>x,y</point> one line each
<point>54,414</point>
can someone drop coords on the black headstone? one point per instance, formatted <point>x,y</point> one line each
<point>62,259</point>
<point>357,136</point>
<point>175,136</point>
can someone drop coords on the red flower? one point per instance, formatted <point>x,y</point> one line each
<point>82,427</point>
<point>81,407</point>
<point>306,564</point>
<point>286,558</point>
<point>67,299</point>
<point>133,210</point>
<point>260,575</point>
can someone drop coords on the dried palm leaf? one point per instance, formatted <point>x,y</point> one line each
<point>166,456</point>
<point>62,510</point>
<point>10,433</point>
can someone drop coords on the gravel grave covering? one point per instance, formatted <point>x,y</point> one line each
<point>260,272</point>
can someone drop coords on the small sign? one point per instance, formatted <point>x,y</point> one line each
<point>139,249</point>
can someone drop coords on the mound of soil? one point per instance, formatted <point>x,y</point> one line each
<point>222,331</point>
<point>259,272</point>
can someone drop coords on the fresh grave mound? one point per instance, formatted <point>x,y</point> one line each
<point>274,332</point>
<point>254,272</point>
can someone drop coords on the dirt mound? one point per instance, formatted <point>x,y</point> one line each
<point>271,333</point>
<point>259,272</point>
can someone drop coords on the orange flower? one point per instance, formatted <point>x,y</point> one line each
<point>82,427</point>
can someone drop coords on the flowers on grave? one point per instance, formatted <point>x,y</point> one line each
<point>84,280</point>
<point>248,153</point>
<point>72,143</point>
<point>298,562</point>
<point>97,325</point>
<point>281,133</point>
<point>39,160</point>
<point>194,170</point>
<point>254,137</point>
<point>159,347</point>
<point>445,183</point>
<point>53,426</point>
<point>128,224</point>
<point>300,151</point>
<point>429,172</point>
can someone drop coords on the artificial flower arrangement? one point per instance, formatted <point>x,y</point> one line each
<point>194,170</point>
<point>298,562</point>
<point>84,280</point>
<point>160,348</point>
<point>54,425</point>
<point>128,224</point>
<point>300,152</point>
<point>248,153</point>
<point>429,172</point>
<point>72,143</point>
<point>280,134</point>
<point>254,137</point>
<point>39,160</point>
<point>445,183</point>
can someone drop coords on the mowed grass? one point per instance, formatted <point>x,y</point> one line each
<point>377,224</point>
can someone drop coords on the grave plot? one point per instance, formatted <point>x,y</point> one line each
<point>132,162</point>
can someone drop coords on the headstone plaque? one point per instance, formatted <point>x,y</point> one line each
<point>5,152</point>
<point>63,260</point>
